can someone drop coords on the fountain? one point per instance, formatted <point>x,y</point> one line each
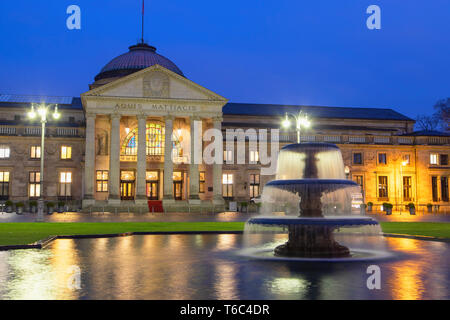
<point>312,202</point>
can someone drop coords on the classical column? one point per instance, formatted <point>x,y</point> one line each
<point>141,197</point>
<point>196,145</point>
<point>114,161</point>
<point>168,162</point>
<point>89,166</point>
<point>217,168</point>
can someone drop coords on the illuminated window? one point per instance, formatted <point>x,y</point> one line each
<point>407,188</point>
<point>254,156</point>
<point>254,185</point>
<point>66,153</point>
<point>228,156</point>
<point>65,184</point>
<point>433,158</point>
<point>383,187</point>
<point>34,184</point>
<point>201,184</point>
<point>359,179</point>
<point>4,185</point>
<point>155,141</point>
<point>227,185</point>
<point>102,181</point>
<point>5,152</point>
<point>35,152</point>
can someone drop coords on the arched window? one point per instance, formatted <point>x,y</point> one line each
<point>155,141</point>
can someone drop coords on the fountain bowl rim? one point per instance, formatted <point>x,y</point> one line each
<point>309,144</point>
<point>325,221</point>
<point>311,181</point>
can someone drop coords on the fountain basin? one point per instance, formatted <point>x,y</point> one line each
<point>327,221</point>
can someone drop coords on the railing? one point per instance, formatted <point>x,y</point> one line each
<point>356,139</point>
<point>32,131</point>
<point>66,132</point>
<point>382,140</point>
<point>8,131</point>
<point>405,140</point>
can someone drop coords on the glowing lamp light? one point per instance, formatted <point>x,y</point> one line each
<point>32,112</point>
<point>179,132</point>
<point>404,163</point>
<point>127,130</point>
<point>56,114</point>
<point>286,122</point>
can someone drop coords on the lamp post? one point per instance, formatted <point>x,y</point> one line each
<point>301,120</point>
<point>42,112</point>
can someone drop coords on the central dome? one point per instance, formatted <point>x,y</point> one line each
<point>139,57</point>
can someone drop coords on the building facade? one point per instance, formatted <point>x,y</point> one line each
<point>95,159</point>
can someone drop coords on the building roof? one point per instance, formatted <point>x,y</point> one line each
<point>427,133</point>
<point>139,57</point>
<point>278,110</point>
<point>23,101</point>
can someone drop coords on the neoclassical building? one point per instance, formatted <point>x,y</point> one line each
<point>96,159</point>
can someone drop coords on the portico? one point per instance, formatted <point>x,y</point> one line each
<point>123,169</point>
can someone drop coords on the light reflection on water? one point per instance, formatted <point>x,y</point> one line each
<point>206,267</point>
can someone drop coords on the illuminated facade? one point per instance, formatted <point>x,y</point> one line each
<point>95,158</point>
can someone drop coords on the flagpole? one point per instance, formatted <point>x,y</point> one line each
<point>142,39</point>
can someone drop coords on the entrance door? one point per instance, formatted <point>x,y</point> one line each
<point>127,187</point>
<point>178,190</point>
<point>178,185</point>
<point>152,185</point>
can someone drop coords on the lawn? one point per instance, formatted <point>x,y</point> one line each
<point>25,233</point>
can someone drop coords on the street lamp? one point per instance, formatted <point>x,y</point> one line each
<point>301,120</point>
<point>42,112</point>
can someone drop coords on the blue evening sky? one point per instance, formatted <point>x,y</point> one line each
<point>316,52</point>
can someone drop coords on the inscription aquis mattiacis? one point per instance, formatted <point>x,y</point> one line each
<point>156,107</point>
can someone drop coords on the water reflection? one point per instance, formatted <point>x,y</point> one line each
<point>206,267</point>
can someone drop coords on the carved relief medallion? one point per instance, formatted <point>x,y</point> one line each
<point>156,84</point>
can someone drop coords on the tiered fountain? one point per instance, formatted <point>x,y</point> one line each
<point>312,202</point>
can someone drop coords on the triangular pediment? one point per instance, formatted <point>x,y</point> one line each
<point>155,82</point>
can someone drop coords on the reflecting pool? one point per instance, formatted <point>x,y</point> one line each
<point>207,267</point>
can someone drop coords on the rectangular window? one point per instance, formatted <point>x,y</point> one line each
<point>65,184</point>
<point>35,152</point>
<point>227,185</point>
<point>357,158</point>
<point>34,184</point>
<point>254,185</point>
<point>382,158</point>
<point>228,156</point>
<point>201,182</point>
<point>406,188</point>
<point>383,187</point>
<point>5,152</point>
<point>66,153</point>
<point>102,181</point>
<point>359,179</point>
<point>444,189</point>
<point>433,158</point>
<point>434,188</point>
<point>254,156</point>
<point>443,159</point>
<point>4,185</point>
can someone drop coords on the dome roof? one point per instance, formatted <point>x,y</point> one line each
<point>139,57</point>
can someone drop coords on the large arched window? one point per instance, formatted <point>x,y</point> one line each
<point>155,141</point>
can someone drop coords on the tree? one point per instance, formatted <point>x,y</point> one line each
<point>442,112</point>
<point>427,123</point>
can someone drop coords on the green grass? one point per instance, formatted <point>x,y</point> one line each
<point>429,229</point>
<point>25,233</point>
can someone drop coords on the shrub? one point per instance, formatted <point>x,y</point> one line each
<point>50,204</point>
<point>370,204</point>
<point>19,205</point>
<point>244,204</point>
<point>411,205</point>
<point>429,205</point>
<point>61,203</point>
<point>33,203</point>
<point>387,205</point>
<point>8,203</point>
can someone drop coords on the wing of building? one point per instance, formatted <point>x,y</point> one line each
<point>95,159</point>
